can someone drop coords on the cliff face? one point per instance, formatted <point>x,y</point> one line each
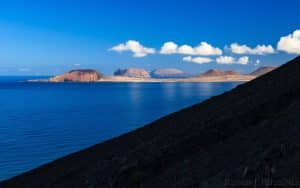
<point>81,75</point>
<point>262,70</point>
<point>132,72</point>
<point>168,73</point>
<point>246,135</point>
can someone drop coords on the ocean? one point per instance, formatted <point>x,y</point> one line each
<point>41,122</point>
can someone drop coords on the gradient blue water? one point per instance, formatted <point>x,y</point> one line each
<point>40,122</point>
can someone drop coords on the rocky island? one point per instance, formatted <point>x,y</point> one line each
<point>168,73</point>
<point>249,134</point>
<point>214,75</point>
<point>215,72</point>
<point>80,75</point>
<point>159,75</point>
<point>132,72</point>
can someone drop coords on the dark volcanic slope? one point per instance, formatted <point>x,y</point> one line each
<point>251,131</point>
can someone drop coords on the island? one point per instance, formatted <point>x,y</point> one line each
<point>132,72</point>
<point>80,75</point>
<point>168,73</point>
<point>158,75</point>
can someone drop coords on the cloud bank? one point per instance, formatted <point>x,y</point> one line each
<point>290,43</point>
<point>135,47</point>
<point>258,50</point>
<point>228,60</point>
<point>203,49</point>
<point>199,54</point>
<point>199,60</point>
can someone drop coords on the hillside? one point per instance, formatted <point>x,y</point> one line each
<point>132,72</point>
<point>168,73</point>
<point>214,72</point>
<point>80,75</point>
<point>245,135</point>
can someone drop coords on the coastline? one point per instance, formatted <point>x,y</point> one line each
<point>123,79</point>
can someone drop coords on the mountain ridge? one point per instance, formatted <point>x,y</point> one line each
<point>216,72</point>
<point>168,73</point>
<point>132,72</point>
<point>78,75</point>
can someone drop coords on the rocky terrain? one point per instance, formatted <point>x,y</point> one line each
<point>215,72</point>
<point>262,70</point>
<point>159,75</point>
<point>80,75</point>
<point>132,72</point>
<point>247,137</point>
<point>168,73</point>
<point>214,75</point>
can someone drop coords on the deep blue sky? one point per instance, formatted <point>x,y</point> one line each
<point>50,37</point>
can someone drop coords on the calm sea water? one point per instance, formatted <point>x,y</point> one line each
<point>40,122</point>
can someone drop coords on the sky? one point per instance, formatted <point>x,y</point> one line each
<point>54,36</point>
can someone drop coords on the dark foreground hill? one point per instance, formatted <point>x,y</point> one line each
<point>241,137</point>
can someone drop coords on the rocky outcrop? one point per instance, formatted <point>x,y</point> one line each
<point>247,137</point>
<point>215,72</point>
<point>132,72</point>
<point>262,70</point>
<point>168,73</point>
<point>80,75</point>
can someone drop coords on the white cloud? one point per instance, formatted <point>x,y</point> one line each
<point>199,60</point>
<point>225,60</point>
<point>228,60</point>
<point>186,49</point>
<point>263,49</point>
<point>76,64</point>
<point>257,62</point>
<point>243,60</point>
<point>187,58</point>
<point>204,49</point>
<point>290,43</point>
<point>135,47</point>
<point>169,48</point>
<point>258,50</point>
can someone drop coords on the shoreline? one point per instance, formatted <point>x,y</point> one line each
<point>123,79</point>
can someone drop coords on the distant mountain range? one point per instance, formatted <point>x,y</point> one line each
<point>134,74</point>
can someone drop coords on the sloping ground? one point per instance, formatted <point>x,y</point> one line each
<point>132,72</point>
<point>214,72</point>
<point>168,73</point>
<point>247,134</point>
<point>80,75</point>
